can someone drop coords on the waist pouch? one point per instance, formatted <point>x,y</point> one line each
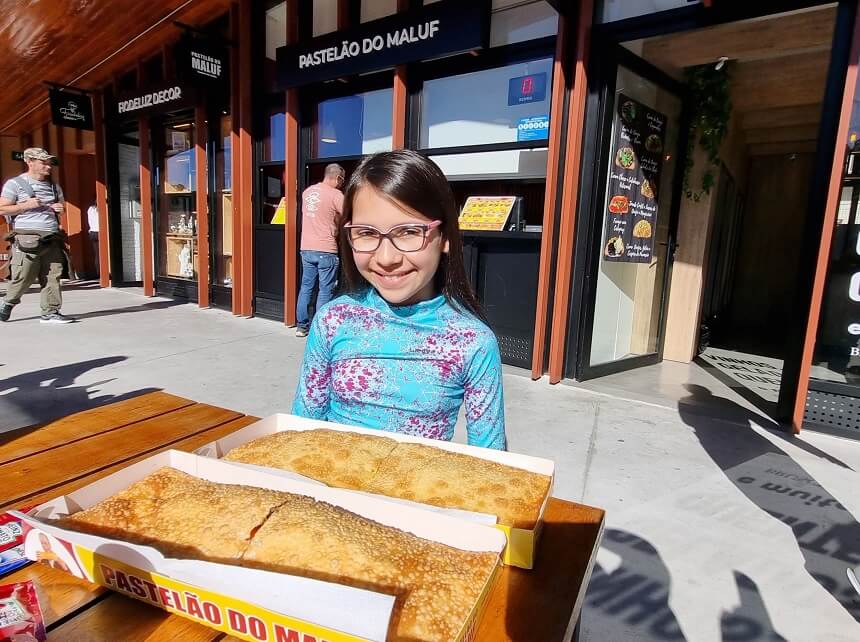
<point>34,241</point>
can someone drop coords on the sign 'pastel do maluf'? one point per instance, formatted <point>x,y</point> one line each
<point>439,29</point>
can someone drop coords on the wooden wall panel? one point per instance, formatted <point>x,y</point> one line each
<point>688,272</point>
<point>769,273</point>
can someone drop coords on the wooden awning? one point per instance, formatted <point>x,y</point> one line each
<point>82,43</point>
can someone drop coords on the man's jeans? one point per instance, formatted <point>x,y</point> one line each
<point>320,266</point>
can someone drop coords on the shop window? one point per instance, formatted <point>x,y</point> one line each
<point>511,163</point>
<point>353,125</point>
<point>272,189</point>
<point>837,349</point>
<point>514,106</point>
<point>522,22</point>
<point>612,10</point>
<point>274,145</point>
<point>222,234</point>
<point>374,9</point>
<point>276,28</point>
<point>177,217</point>
<point>276,36</point>
<point>325,17</point>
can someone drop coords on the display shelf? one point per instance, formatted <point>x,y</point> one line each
<point>175,243</point>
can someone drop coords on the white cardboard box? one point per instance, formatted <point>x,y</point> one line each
<point>247,603</point>
<point>522,543</point>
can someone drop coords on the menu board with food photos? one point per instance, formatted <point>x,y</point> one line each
<point>634,178</point>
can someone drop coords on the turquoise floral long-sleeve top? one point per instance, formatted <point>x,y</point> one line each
<point>404,369</point>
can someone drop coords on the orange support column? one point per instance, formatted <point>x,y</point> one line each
<point>202,206</point>
<point>560,83</point>
<point>146,231</point>
<point>291,180</point>
<point>235,166</point>
<point>570,192</point>
<point>246,161</point>
<point>400,94</point>
<point>398,113</point>
<point>101,191</point>
<point>830,212</point>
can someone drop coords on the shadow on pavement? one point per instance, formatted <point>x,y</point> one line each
<point>749,622</point>
<point>154,305</point>
<point>41,395</point>
<point>827,534</point>
<point>631,600</point>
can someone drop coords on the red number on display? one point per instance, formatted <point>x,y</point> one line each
<point>528,85</point>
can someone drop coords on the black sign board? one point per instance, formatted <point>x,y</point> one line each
<point>201,62</point>
<point>634,179</point>
<point>436,30</point>
<point>70,109</point>
<point>17,156</point>
<point>156,99</point>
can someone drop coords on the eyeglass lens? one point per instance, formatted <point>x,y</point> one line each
<point>406,238</point>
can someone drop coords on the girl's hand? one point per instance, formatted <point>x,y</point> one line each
<point>58,207</point>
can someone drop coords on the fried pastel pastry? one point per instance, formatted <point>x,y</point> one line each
<point>455,480</point>
<point>343,460</point>
<point>435,585</point>
<point>180,515</point>
<point>416,472</point>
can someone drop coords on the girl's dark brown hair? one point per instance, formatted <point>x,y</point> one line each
<point>417,182</point>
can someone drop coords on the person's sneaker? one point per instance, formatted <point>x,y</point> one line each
<point>6,311</point>
<point>55,317</point>
<point>301,332</point>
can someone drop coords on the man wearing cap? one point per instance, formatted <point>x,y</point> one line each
<point>33,204</point>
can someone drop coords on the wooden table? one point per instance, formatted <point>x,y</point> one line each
<point>42,462</point>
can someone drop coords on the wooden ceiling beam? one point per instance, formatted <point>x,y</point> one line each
<point>769,149</point>
<point>782,116</point>
<point>786,82</point>
<point>782,134</point>
<point>74,50</point>
<point>748,40</point>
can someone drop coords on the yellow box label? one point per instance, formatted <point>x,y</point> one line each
<point>220,612</point>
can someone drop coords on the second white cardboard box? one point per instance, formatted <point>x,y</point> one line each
<point>522,543</point>
<point>247,603</point>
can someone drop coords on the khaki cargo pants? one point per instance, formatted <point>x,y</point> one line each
<point>46,265</point>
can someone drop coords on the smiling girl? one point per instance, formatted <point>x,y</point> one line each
<point>407,345</point>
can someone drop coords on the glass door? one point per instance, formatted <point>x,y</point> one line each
<point>221,212</point>
<point>635,212</point>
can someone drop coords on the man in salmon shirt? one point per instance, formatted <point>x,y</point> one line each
<point>322,203</point>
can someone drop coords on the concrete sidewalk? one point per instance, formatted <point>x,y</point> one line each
<point>718,527</point>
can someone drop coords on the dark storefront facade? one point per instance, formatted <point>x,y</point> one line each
<point>564,130</point>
